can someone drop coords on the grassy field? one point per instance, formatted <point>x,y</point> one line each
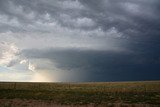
<point>147,92</point>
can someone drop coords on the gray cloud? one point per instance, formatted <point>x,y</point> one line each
<point>89,65</point>
<point>103,38</point>
<point>129,17</point>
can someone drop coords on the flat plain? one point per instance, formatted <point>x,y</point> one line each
<point>108,94</point>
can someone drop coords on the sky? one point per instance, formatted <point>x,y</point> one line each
<point>79,40</point>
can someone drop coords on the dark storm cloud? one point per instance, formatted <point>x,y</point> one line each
<point>66,13</point>
<point>130,17</point>
<point>107,40</point>
<point>101,65</point>
<point>134,18</point>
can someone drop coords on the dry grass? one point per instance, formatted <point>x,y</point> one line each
<point>84,93</point>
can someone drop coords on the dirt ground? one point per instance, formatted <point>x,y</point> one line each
<point>38,103</point>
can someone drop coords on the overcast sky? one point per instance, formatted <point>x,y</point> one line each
<point>79,40</point>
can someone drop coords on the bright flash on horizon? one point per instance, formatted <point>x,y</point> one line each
<point>41,77</point>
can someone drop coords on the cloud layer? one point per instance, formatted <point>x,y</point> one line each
<point>81,40</point>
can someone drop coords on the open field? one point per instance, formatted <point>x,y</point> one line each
<point>102,93</point>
